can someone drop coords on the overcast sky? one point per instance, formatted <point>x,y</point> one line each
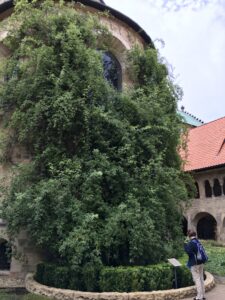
<point>194,36</point>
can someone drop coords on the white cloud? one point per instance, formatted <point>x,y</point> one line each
<point>195,45</point>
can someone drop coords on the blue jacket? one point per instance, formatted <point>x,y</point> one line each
<point>191,249</point>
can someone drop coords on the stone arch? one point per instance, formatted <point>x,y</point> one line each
<point>119,50</point>
<point>206,226</point>
<point>115,46</point>
<point>222,229</point>
<point>5,254</point>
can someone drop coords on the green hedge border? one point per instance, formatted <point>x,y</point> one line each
<point>113,279</point>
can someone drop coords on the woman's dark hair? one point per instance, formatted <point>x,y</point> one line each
<point>191,233</point>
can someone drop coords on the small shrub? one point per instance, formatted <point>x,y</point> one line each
<point>184,277</point>
<point>90,276</point>
<point>76,280</point>
<point>61,277</point>
<point>40,272</point>
<point>52,275</point>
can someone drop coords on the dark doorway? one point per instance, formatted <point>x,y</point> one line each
<point>206,228</point>
<point>184,226</point>
<point>5,255</point>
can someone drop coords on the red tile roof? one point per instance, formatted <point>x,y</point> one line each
<point>205,146</point>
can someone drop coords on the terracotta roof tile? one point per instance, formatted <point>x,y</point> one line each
<point>205,146</point>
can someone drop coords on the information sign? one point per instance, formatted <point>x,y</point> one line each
<point>174,262</point>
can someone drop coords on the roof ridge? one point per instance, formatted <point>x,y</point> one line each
<point>193,116</point>
<point>208,123</point>
<point>189,118</point>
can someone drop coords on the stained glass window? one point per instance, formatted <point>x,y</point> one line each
<point>112,70</point>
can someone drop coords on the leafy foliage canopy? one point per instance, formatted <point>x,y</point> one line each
<point>104,183</point>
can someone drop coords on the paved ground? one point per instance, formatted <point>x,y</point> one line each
<point>218,293</point>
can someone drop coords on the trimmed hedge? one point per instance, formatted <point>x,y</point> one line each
<point>113,279</point>
<point>59,276</point>
<point>149,278</point>
<point>136,278</point>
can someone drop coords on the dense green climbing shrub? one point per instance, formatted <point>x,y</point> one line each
<point>104,184</point>
<point>117,279</point>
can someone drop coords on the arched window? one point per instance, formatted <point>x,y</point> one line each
<point>217,191</point>
<point>224,186</point>
<point>197,195</point>
<point>208,189</point>
<point>5,254</point>
<point>112,70</point>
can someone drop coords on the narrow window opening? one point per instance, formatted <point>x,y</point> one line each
<point>197,194</point>
<point>217,190</point>
<point>208,189</point>
<point>224,186</point>
<point>5,255</point>
<point>112,70</point>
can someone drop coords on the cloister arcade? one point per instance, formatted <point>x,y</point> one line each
<point>206,215</point>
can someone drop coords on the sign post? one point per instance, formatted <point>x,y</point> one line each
<point>175,263</point>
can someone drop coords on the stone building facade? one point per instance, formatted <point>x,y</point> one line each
<point>125,34</point>
<point>205,160</point>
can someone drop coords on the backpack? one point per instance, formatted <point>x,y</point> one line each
<point>201,254</point>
